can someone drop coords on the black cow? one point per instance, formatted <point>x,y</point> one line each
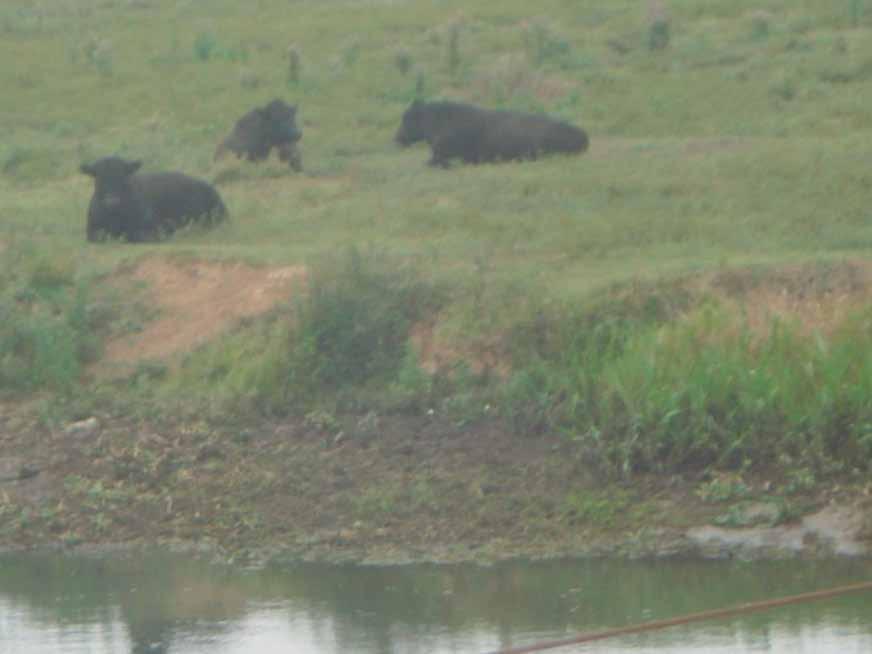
<point>475,135</point>
<point>146,206</point>
<point>263,128</point>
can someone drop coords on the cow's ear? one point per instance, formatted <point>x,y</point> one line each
<point>132,166</point>
<point>88,169</point>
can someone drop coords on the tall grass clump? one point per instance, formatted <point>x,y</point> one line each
<point>454,58</point>
<point>294,64</point>
<point>98,53</point>
<point>205,45</point>
<point>354,325</point>
<point>403,61</point>
<point>761,25</point>
<point>709,391</point>
<point>420,86</point>
<point>350,54</point>
<point>703,390</point>
<point>48,329</point>
<point>658,25</point>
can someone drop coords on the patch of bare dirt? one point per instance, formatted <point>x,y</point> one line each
<point>197,301</point>
<point>388,488</point>
<point>834,529</point>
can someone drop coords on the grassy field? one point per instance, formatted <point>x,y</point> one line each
<point>626,291</point>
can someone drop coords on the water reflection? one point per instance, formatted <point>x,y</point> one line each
<point>160,604</point>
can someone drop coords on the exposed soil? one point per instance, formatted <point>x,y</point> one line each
<point>386,489</point>
<point>198,300</point>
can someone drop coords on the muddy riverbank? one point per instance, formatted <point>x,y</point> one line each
<point>391,489</point>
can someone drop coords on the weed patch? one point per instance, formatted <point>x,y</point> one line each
<point>355,323</point>
<point>50,320</point>
<point>348,331</point>
<point>699,390</point>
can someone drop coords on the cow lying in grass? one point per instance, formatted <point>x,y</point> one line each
<point>139,207</point>
<point>476,135</point>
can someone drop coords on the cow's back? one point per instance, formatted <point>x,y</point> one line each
<point>174,199</point>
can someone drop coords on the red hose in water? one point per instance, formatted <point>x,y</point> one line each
<point>692,617</point>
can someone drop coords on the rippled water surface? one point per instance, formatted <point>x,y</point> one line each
<point>158,603</point>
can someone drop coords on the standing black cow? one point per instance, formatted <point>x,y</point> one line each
<point>475,135</point>
<point>146,206</point>
<point>263,128</point>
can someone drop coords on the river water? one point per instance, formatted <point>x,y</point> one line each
<point>160,603</point>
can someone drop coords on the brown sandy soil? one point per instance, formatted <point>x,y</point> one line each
<point>198,300</point>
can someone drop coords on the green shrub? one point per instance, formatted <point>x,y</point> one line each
<point>355,321</point>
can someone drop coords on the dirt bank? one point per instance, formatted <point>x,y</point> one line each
<point>388,489</point>
<point>195,301</point>
<point>370,487</point>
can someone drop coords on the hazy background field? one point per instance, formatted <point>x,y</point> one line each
<point>743,140</point>
<point>724,134</point>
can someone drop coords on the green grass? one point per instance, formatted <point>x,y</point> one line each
<point>52,319</point>
<point>782,177</point>
<point>744,141</point>
<point>701,390</point>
